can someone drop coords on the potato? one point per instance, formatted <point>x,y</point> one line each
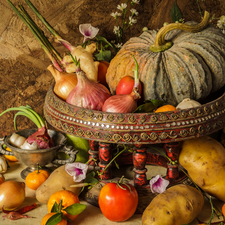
<point>204,160</point>
<point>179,204</point>
<point>58,180</point>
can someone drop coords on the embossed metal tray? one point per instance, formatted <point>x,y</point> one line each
<point>135,128</point>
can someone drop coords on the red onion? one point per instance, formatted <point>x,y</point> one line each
<point>124,103</point>
<point>88,94</point>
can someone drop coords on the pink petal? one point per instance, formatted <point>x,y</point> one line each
<point>88,31</point>
<point>77,171</point>
<point>158,184</point>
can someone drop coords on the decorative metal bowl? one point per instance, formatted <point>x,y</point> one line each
<point>135,128</point>
<point>30,158</point>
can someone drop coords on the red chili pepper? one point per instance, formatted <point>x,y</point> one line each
<point>22,210</point>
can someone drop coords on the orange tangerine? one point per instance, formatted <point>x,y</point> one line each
<point>165,108</point>
<point>47,216</point>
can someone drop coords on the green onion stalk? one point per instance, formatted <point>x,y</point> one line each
<point>41,136</point>
<point>53,55</point>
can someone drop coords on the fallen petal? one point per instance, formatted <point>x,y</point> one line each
<point>158,184</point>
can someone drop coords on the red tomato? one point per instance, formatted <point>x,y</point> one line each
<point>118,204</point>
<point>125,86</point>
<point>102,70</point>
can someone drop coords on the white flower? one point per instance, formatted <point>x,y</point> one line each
<point>77,171</point>
<point>119,45</point>
<point>158,184</point>
<point>132,20</point>
<point>122,6</point>
<point>134,12</point>
<point>115,15</point>
<point>88,31</point>
<point>135,1</point>
<point>221,23</point>
<point>116,30</point>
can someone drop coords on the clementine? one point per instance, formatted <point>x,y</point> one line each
<point>68,198</point>
<point>165,108</point>
<point>36,178</point>
<point>10,157</point>
<point>47,216</point>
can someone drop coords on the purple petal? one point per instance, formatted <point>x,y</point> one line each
<point>77,171</point>
<point>158,184</point>
<point>88,31</point>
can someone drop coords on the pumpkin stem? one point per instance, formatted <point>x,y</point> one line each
<point>161,45</point>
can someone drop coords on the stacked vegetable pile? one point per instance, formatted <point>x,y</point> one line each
<point>90,90</point>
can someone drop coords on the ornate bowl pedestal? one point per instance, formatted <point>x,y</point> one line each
<point>139,130</point>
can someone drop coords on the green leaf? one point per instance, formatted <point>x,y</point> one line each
<point>100,38</point>
<point>175,13</point>
<point>149,106</point>
<point>157,102</point>
<point>55,207</point>
<point>55,219</point>
<point>77,142</point>
<point>103,55</point>
<point>75,209</point>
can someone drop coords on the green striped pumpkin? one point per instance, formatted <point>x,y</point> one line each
<point>191,65</point>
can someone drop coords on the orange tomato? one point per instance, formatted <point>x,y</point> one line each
<point>2,179</point>
<point>10,157</point>
<point>68,198</point>
<point>36,178</point>
<point>165,108</point>
<point>102,70</point>
<point>47,216</point>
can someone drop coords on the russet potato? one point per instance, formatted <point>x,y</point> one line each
<point>58,180</point>
<point>179,204</point>
<point>204,160</point>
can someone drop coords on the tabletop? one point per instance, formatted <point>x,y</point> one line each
<point>91,215</point>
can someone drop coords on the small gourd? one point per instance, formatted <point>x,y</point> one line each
<point>3,164</point>
<point>181,60</point>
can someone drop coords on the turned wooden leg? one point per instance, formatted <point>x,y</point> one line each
<point>105,156</point>
<point>93,153</point>
<point>139,162</point>
<point>172,151</point>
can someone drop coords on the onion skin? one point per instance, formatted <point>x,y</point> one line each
<point>64,82</point>
<point>12,195</point>
<point>88,94</point>
<point>120,104</point>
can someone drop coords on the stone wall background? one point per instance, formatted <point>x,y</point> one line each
<point>24,78</point>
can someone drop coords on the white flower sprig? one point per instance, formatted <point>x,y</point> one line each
<point>125,21</point>
<point>221,23</point>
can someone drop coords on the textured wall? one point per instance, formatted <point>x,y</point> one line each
<point>23,75</point>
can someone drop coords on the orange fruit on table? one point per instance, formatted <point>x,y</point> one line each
<point>47,216</point>
<point>11,158</point>
<point>165,108</point>
<point>36,178</point>
<point>68,198</point>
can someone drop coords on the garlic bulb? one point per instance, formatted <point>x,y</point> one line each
<point>16,140</point>
<point>187,103</point>
<point>26,145</point>
<point>3,164</point>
